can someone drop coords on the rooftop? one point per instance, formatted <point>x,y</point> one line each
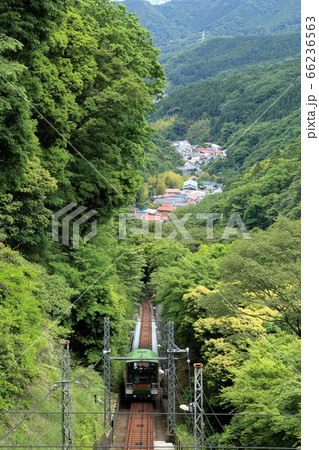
<point>166,207</point>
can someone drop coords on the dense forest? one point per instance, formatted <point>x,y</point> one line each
<point>85,120</point>
<point>220,56</point>
<point>77,82</point>
<point>178,23</point>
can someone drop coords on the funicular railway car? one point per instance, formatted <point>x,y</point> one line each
<point>141,377</point>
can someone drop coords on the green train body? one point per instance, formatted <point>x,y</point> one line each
<point>141,377</point>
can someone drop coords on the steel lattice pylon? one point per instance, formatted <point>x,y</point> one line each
<point>162,326</point>
<point>107,372</point>
<point>198,407</point>
<point>66,396</point>
<point>170,381</point>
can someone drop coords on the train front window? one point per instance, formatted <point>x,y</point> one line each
<point>142,374</point>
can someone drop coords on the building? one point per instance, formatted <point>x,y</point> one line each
<point>190,185</point>
<point>192,197</point>
<point>152,217</point>
<point>172,191</point>
<point>188,168</point>
<point>165,209</point>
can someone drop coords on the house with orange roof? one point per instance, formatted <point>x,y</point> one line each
<point>172,191</point>
<point>191,196</point>
<point>167,208</point>
<point>152,217</point>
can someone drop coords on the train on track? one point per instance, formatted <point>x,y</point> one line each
<point>142,378</point>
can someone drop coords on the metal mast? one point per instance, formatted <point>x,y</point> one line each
<point>107,372</point>
<point>66,396</point>
<point>170,381</point>
<point>198,407</point>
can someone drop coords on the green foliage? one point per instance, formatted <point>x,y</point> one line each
<point>261,194</point>
<point>160,156</point>
<point>199,132</point>
<point>97,273</point>
<point>221,56</point>
<point>93,78</point>
<point>20,323</point>
<point>266,383</point>
<point>176,272</point>
<point>24,212</point>
<point>17,139</point>
<point>223,341</point>
<point>156,185</point>
<point>31,22</point>
<point>27,296</point>
<point>177,23</point>
<point>265,271</point>
<point>239,98</point>
<point>78,82</point>
<point>45,428</point>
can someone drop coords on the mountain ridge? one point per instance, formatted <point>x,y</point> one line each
<point>180,22</point>
<point>221,55</point>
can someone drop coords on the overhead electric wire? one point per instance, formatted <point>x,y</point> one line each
<point>212,429</point>
<point>89,370</point>
<point>29,414</point>
<point>241,313</point>
<point>220,424</point>
<point>238,447</point>
<point>56,385</point>
<point>189,399</point>
<point>154,413</point>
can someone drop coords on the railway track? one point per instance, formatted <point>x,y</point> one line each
<point>146,327</point>
<point>140,427</point>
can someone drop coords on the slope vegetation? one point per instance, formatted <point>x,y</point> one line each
<point>223,55</point>
<point>179,22</point>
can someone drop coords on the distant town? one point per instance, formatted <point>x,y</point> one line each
<point>193,190</point>
<point>196,157</point>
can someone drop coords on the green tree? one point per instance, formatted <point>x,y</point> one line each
<point>31,22</point>
<point>160,187</point>
<point>266,384</point>
<point>265,271</point>
<point>199,132</point>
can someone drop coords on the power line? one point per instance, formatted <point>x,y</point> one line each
<point>238,447</point>
<point>61,315</point>
<point>241,313</point>
<point>58,132</point>
<point>89,370</point>
<point>29,414</point>
<point>220,424</point>
<point>212,429</point>
<point>155,413</point>
<point>56,385</point>
<point>251,126</point>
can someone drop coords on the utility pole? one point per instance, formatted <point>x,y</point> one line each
<point>107,372</point>
<point>66,396</point>
<point>198,407</point>
<point>170,381</point>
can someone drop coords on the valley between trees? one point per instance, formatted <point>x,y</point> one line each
<point>87,117</point>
